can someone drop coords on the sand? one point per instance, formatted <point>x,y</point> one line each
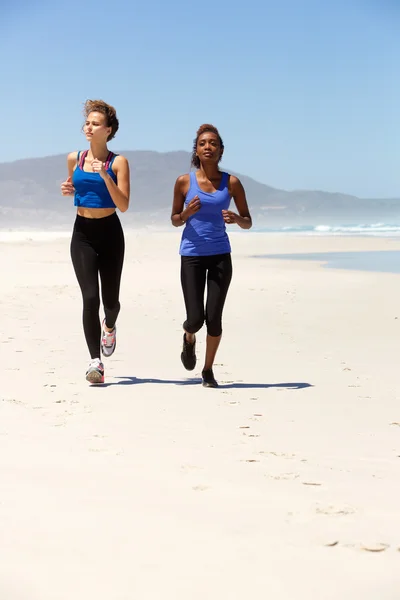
<point>283,483</point>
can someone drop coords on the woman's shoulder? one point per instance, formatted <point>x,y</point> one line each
<point>72,159</point>
<point>117,156</point>
<point>120,159</point>
<point>120,164</point>
<point>233,180</point>
<point>229,176</point>
<point>183,179</point>
<point>182,184</point>
<point>73,155</point>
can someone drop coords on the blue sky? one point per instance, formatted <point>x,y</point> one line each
<point>303,92</point>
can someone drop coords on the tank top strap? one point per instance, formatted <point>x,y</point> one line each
<point>224,180</point>
<point>81,162</point>
<point>110,159</point>
<point>193,180</point>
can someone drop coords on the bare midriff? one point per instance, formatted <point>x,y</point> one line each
<point>95,213</point>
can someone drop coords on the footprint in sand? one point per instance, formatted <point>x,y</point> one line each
<point>374,547</point>
<point>335,511</point>
<point>331,544</point>
<point>200,488</point>
<point>279,454</point>
<point>189,468</point>
<point>284,476</point>
<point>12,400</point>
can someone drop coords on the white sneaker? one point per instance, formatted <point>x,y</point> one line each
<point>95,372</point>
<point>108,340</point>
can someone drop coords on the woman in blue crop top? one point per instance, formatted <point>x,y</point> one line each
<point>201,203</point>
<point>100,183</point>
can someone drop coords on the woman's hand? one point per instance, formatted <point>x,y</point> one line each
<point>230,216</point>
<point>243,219</point>
<point>67,187</point>
<point>98,167</point>
<point>193,207</point>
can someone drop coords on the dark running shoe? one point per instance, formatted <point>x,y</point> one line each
<point>188,356</point>
<point>209,379</point>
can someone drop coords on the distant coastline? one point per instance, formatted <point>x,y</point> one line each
<point>24,233</point>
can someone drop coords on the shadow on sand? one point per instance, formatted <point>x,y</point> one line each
<point>197,381</point>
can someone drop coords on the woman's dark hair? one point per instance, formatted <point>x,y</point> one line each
<point>203,129</point>
<point>105,109</point>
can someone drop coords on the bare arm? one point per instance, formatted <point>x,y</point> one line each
<point>243,219</point>
<point>71,162</point>
<point>178,215</point>
<point>67,188</point>
<point>120,191</point>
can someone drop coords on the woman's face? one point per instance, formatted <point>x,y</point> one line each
<point>208,147</point>
<point>95,127</point>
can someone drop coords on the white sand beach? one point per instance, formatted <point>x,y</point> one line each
<point>284,483</point>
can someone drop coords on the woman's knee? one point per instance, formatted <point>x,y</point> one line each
<point>112,307</point>
<point>214,327</point>
<point>91,301</point>
<point>194,325</point>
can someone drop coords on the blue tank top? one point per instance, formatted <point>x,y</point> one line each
<point>205,233</point>
<point>90,188</point>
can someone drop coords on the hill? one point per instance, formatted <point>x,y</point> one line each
<point>30,196</point>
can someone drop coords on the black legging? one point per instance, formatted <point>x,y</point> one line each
<point>195,271</point>
<point>97,248</point>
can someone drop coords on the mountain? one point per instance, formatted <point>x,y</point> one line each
<point>30,196</point>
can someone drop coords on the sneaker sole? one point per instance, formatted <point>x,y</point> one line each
<point>207,384</point>
<point>94,377</point>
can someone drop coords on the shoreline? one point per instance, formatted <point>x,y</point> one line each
<point>152,228</point>
<point>356,253</point>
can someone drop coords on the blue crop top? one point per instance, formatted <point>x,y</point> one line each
<point>205,233</point>
<point>90,188</point>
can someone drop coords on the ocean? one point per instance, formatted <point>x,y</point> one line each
<point>384,261</point>
<point>375,229</point>
<point>358,230</point>
<point>377,261</point>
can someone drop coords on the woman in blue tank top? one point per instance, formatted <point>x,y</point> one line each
<point>100,183</point>
<point>201,203</point>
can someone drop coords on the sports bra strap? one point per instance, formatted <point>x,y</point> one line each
<point>82,159</point>
<point>109,160</point>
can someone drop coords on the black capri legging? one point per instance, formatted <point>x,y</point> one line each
<point>97,248</point>
<point>195,271</point>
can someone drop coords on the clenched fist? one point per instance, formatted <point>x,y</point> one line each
<point>67,187</point>
<point>98,167</point>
